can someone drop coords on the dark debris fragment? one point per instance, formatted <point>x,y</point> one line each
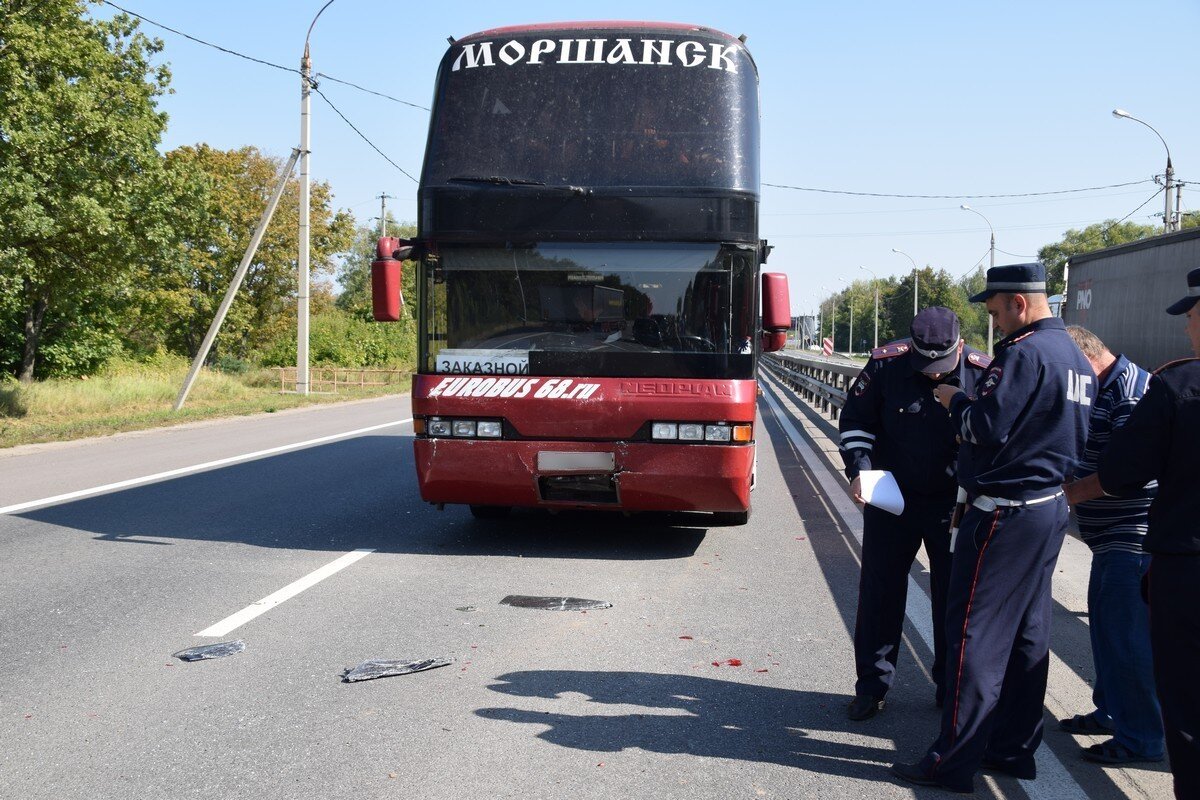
<point>554,603</point>
<point>207,651</point>
<point>383,668</point>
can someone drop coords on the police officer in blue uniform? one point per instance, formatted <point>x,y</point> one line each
<point>1161,441</point>
<point>892,422</point>
<point>1023,429</point>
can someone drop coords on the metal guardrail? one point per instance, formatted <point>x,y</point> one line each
<point>820,380</point>
<point>330,379</point>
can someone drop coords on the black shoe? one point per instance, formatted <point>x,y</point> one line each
<point>1025,771</point>
<point>864,706</point>
<point>914,774</point>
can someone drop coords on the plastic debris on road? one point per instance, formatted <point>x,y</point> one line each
<point>382,668</point>
<point>554,603</point>
<point>207,651</point>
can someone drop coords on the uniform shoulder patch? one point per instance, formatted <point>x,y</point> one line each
<point>890,350</point>
<point>990,381</point>
<point>981,360</point>
<point>1174,363</point>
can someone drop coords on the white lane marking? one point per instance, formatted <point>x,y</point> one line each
<point>234,621</point>
<point>174,473</point>
<point>1054,782</point>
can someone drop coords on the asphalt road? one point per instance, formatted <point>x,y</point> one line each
<point>101,587</point>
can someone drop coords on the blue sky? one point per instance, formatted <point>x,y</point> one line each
<point>958,98</point>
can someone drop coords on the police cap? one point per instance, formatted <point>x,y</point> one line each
<point>934,340</point>
<point>1013,279</point>
<point>1193,294</point>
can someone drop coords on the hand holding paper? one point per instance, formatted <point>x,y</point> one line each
<point>879,488</point>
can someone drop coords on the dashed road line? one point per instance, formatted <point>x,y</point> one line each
<point>234,621</point>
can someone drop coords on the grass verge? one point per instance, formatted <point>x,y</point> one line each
<point>132,397</point>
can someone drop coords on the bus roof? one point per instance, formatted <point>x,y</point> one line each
<point>595,25</point>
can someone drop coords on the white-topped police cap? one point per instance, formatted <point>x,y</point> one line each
<point>1013,279</point>
<point>934,340</point>
<point>1185,304</point>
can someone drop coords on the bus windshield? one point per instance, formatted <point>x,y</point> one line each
<point>617,309</point>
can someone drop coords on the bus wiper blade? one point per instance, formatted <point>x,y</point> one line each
<point>503,181</point>
<point>495,179</point>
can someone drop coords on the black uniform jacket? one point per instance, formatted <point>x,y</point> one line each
<point>892,421</point>
<point>1161,440</point>
<point>1024,427</point>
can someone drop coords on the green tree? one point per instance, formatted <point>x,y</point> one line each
<point>230,191</point>
<point>80,180</point>
<point>355,273</point>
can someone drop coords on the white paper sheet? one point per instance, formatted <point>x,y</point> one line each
<point>879,488</point>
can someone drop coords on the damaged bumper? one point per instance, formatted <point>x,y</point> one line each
<point>621,476</point>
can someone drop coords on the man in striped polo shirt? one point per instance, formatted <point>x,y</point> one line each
<point>1114,528</point>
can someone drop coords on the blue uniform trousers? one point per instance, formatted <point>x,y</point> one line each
<point>1175,640</point>
<point>998,632</point>
<point>890,544</point>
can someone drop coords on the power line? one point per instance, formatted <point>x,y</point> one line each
<point>1131,213</point>
<point>955,196</point>
<point>1015,255</point>
<point>363,136</point>
<point>328,77</point>
<point>252,58</point>
<point>928,232</point>
<point>199,41</point>
<point>975,266</point>
<point>932,209</point>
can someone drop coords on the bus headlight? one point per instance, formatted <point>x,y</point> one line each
<point>664,430</point>
<point>716,433</point>
<point>438,427</point>
<point>464,427</point>
<point>489,429</point>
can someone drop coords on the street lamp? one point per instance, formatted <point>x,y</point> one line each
<point>832,315</point>
<point>1170,222</point>
<point>991,263</point>
<point>875,283</point>
<point>302,277</point>
<point>915,277</point>
<point>850,339</point>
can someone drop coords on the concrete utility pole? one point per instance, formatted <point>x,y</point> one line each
<point>302,276</point>
<point>302,273</point>
<point>238,275</point>
<point>1171,222</point>
<point>383,198</point>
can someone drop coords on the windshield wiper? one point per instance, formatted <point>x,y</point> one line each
<point>504,181</point>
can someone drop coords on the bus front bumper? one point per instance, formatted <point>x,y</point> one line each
<point>621,476</point>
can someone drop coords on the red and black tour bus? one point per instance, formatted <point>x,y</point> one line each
<point>590,302</point>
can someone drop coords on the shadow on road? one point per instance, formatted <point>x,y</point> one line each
<point>706,717</point>
<point>352,494</point>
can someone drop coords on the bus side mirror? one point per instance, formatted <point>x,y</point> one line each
<point>776,311</point>
<point>387,302</point>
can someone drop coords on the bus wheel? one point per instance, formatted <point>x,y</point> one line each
<point>732,517</point>
<point>490,512</point>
